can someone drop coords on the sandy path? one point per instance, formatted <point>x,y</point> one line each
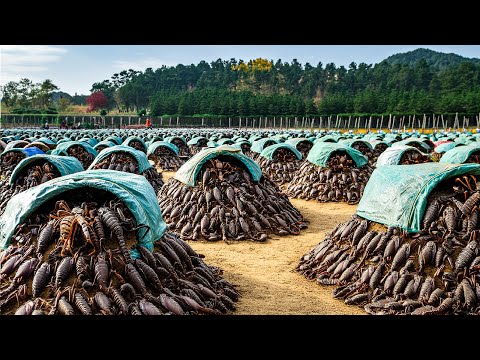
<point>264,272</point>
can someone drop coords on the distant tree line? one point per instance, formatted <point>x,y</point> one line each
<point>264,88</point>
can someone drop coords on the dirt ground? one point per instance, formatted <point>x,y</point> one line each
<point>265,272</point>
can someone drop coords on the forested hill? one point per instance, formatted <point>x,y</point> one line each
<point>436,59</point>
<point>263,87</point>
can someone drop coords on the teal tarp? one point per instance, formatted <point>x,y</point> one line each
<point>13,144</point>
<point>131,138</point>
<point>171,138</point>
<point>116,139</point>
<point>259,145</point>
<point>225,141</point>
<point>188,172</point>
<point>143,163</point>
<point>90,141</point>
<point>47,141</point>
<point>321,152</point>
<point>295,141</point>
<point>134,190</point>
<point>196,139</point>
<point>64,164</point>
<point>459,154</point>
<point>396,195</point>
<point>106,143</point>
<point>410,141</point>
<point>153,146</point>
<point>326,138</point>
<point>351,142</point>
<point>392,155</point>
<point>269,151</point>
<point>375,143</point>
<point>446,146</point>
<point>62,148</point>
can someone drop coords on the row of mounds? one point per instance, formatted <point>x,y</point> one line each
<point>94,243</point>
<point>221,194</point>
<point>332,172</point>
<point>425,262</point>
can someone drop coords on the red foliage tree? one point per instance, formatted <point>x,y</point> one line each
<point>97,100</point>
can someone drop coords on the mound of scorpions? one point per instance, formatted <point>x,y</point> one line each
<point>8,162</point>
<point>81,154</point>
<point>414,157</point>
<point>123,161</point>
<point>33,174</point>
<point>166,159</point>
<point>432,272</point>
<point>226,204</point>
<point>340,180</point>
<point>282,167</point>
<point>78,263</point>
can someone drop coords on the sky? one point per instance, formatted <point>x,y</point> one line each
<point>74,68</point>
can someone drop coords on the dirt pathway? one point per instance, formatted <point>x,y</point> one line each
<point>264,272</point>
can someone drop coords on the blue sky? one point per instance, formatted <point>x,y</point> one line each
<point>74,68</point>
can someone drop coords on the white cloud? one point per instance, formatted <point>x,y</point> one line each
<point>141,64</point>
<point>27,61</point>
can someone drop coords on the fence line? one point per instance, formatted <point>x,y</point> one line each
<point>420,122</point>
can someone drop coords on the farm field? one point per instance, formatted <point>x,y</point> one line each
<point>265,272</point>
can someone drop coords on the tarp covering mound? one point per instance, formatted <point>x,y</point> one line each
<point>295,141</point>
<point>269,151</point>
<point>16,144</point>
<point>396,195</point>
<point>260,144</point>
<point>446,146</point>
<point>459,154</point>
<point>91,141</point>
<point>143,163</point>
<point>62,149</point>
<point>171,138</point>
<point>326,138</point>
<point>64,164</point>
<point>376,143</point>
<point>46,140</point>
<point>27,151</point>
<point>136,138</point>
<point>392,155</point>
<point>320,153</point>
<point>196,139</point>
<point>187,174</point>
<point>352,142</point>
<point>225,141</point>
<point>424,146</point>
<point>116,139</point>
<point>106,143</point>
<point>155,145</point>
<point>133,190</point>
